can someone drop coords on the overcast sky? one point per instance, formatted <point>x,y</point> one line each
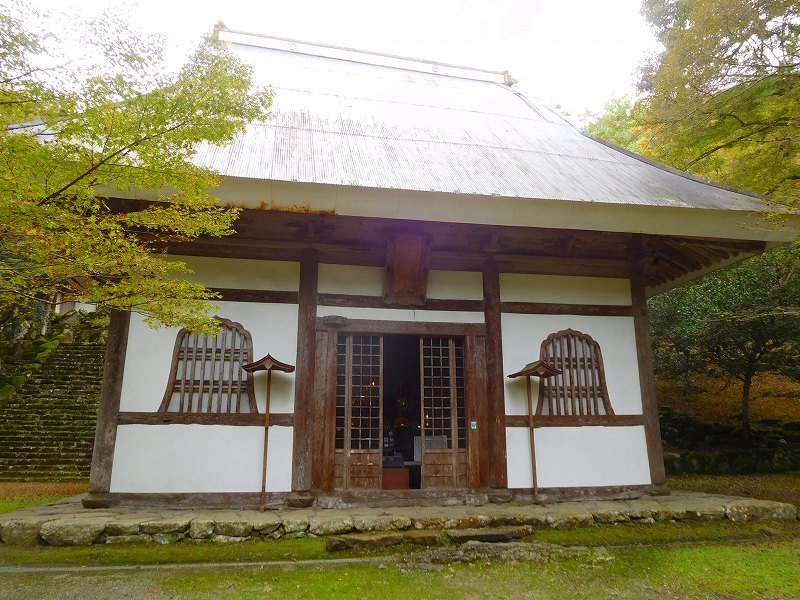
<point>576,54</point>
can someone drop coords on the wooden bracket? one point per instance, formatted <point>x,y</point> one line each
<point>407,265</point>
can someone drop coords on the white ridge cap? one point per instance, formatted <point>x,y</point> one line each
<point>361,56</point>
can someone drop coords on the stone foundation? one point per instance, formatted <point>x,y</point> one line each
<point>67,523</point>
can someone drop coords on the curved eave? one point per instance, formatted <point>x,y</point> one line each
<point>505,211</point>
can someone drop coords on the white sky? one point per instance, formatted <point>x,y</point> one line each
<point>575,54</point>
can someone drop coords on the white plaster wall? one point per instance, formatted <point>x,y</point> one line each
<point>455,285</point>
<point>350,279</point>
<point>399,314</point>
<point>200,458</point>
<point>149,355</point>
<point>578,457</point>
<point>561,289</point>
<point>522,338</point>
<point>243,274</point>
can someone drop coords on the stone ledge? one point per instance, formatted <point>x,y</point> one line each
<point>68,523</point>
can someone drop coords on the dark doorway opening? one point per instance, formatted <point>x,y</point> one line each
<point>402,426</point>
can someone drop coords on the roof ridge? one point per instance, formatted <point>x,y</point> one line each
<point>356,54</point>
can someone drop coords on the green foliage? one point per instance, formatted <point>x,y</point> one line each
<point>71,136</point>
<point>737,322</point>
<point>723,99</point>
<point>617,124</point>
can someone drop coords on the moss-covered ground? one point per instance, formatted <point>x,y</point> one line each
<point>690,559</point>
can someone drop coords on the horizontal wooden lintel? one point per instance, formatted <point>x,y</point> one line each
<point>161,418</point>
<point>400,327</point>
<point>575,420</point>
<point>548,308</point>
<point>265,296</point>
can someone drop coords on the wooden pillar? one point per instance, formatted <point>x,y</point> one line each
<point>324,412</point>
<point>477,410</point>
<point>105,436</point>
<point>495,399</point>
<point>655,452</point>
<point>304,382</point>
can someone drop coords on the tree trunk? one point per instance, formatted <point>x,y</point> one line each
<point>748,380</point>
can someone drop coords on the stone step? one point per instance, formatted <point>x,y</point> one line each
<point>372,541</point>
<point>47,429</point>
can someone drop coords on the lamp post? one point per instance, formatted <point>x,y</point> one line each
<point>268,364</point>
<point>541,370</point>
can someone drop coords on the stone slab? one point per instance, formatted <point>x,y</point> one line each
<point>489,534</point>
<point>72,531</point>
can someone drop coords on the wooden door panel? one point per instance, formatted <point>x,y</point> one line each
<point>358,411</point>
<point>443,412</point>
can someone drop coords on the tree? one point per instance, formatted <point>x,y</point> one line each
<point>737,323</point>
<point>72,135</point>
<point>617,124</point>
<point>723,98</point>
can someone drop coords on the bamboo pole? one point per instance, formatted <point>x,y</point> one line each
<point>533,444</point>
<point>266,442</point>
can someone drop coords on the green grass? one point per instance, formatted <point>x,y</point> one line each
<point>314,548</point>
<point>16,495</point>
<point>142,554</point>
<point>781,487</point>
<point>8,505</point>
<point>751,571</point>
<point>623,534</point>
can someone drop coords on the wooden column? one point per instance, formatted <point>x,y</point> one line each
<point>495,399</point>
<point>478,446</point>
<point>105,436</point>
<point>304,383</point>
<point>655,452</point>
<point>324,412</point>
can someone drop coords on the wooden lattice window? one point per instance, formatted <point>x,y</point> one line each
<point>444,413</point>
<point>580,388</point>
<point>207,376</point>
<point>358,392</point>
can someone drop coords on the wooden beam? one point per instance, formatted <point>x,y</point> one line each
<point>265,296</point>
<point>547,308</point>
<point>567,494</point>
<point>647,383</point>
<point>169,418</point>
<point>303,453</point>
<point>360,301</point>
<point>495,398</point>
<point>576,420</point>
<point>400,327</point>
<point>110,392</point>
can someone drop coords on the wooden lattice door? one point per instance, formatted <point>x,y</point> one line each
<point>444,440</point>
<point>359,399</point>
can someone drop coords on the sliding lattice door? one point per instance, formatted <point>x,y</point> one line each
<point>444,441</point>
<point>359,395</point>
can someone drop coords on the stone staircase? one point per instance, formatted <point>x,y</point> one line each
<point>47,428</point>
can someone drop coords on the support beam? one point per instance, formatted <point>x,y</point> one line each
<point>306,353</point>
<point>105,436</point>
<point>655,452</point>
<point>495,398</point>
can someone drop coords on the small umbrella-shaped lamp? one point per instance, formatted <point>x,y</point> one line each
<point>542,370</point>
<point>268,364</point>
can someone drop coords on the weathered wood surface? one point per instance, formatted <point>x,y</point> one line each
<point>302,457</point>
<point>495,398</point>
<point>647,383</point>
